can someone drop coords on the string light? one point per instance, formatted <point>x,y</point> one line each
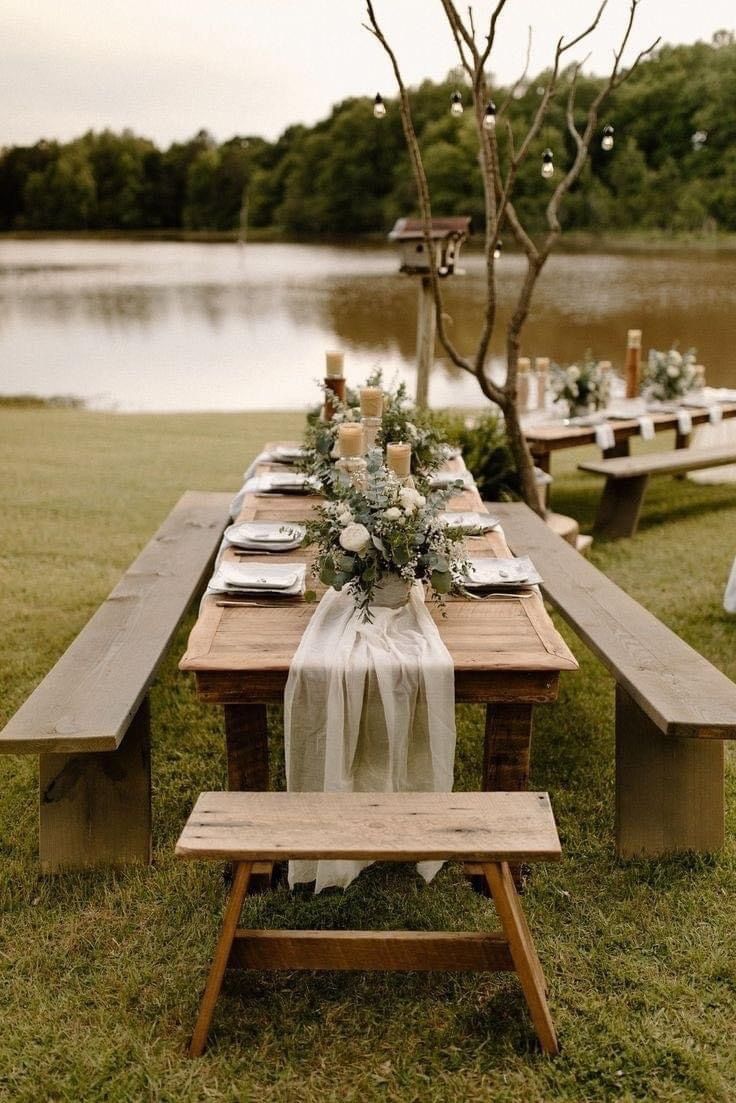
<point>699,138</point>
<point>379,107</point>
<point>489,116</point>
<point>497,249</point>
<point>456,105</point>
<point>548,167</point>
<point>607,139</point>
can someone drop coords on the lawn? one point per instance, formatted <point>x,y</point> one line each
<point>100,973</point>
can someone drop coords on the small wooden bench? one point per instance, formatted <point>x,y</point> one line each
<point>487,828</point>
<point>673,707</point>
<point>89,719</point>
<point>627,478</point>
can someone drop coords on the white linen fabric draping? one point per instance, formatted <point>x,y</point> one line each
<point>721,435</point>
<point>729,598</point>
<point>368,707</point>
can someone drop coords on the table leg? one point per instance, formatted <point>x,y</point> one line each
<point>682,440</point>
<point>620,448</point>
<point>543,460</point>
<point>507,746</point>
<point>246,737</point>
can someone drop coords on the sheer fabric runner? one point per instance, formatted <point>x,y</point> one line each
<point>368,707</point>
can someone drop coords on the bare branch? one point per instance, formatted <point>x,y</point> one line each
<point>564,47</point>
<point>491,35</point>
<point>520,80</point>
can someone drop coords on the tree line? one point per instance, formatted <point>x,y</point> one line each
<point>673,165</point>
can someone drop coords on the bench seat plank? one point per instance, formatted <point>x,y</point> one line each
<point>682,693</point>
<point>89,698</point>
<point>484,827</point>
<point>661,463</point>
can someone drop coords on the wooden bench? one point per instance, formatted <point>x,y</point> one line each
<point>487,828</point>
<point>89,719</point>
<point>627,478</point>
<point>673,708</point>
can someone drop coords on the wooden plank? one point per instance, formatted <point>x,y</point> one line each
<point>220,960</point>
<point>95,809</point>
<point>682,693</point>
<point>420,951</point>
<point>523,952</point>
<point>380,826</point>
<point>661,463</point>
<point>556,435</point>
<point>87,700</point>
<point>669,792</point>
<point>246,739</point>
<point>507,747</point>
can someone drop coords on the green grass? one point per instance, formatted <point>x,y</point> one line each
<point>100,974</point>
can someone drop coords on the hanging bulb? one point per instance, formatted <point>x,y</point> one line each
<point>548,168</point>
<point>379,107</point>
<point>489,116</point>
<point>497,249</point>
<point>607,139</point>
<point>456,105</point>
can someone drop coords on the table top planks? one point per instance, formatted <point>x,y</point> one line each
<point>550,436</point>
<point>244,653</point>
<point>479,827</point>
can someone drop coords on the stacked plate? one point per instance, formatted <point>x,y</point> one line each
<point>284,453</point>
<point>265,536</point>
<point>442,479</point>
<point>501,574</point>
<point>284,483</point>
<point>470,522</point>
<point>251,579</point>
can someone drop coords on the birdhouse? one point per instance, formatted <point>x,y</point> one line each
<point>447,236</point>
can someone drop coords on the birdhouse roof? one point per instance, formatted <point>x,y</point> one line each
<point>412,229</point>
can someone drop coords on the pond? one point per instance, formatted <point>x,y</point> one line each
<point>134,325</point>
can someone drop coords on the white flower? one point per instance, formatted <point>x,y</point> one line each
<point>411,499</point>
<point>675,358</point>
<point>344,516</point>
<point>392,514</point>
<point>573,373</point>
<point>355,538</point>
<point>411,430</point>
<point>673,371</point>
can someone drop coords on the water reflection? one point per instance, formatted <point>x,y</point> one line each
<point>187,326</point>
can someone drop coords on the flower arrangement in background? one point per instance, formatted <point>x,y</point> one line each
<point>383,530</point>
<point>669,375</point>
<point>584,386</point>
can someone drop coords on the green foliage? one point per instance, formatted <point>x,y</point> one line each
<point>350,174</point>
<point>482,441</point>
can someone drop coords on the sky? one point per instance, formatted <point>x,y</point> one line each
<point>166,68</point>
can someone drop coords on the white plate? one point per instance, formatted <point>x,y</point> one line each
<point>270,535</point>
<point>469,521</point>
<point>281,577</point>
<point>442,479</point>
<point>501,572</point>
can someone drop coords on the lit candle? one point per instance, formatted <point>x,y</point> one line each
<point>333,365</point>
<point>350,440</point>
<point>398,459</point>
<point>371,401</point>
<point>699,380</point>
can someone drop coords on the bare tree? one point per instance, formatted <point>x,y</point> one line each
<point>499,173</point>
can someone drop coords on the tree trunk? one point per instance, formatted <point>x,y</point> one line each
<point>522,459</point>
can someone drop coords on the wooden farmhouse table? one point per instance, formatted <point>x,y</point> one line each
<point>507,654</point>
<point>547,437</point>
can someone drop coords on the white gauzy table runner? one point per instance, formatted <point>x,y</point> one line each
<point>368,707</point>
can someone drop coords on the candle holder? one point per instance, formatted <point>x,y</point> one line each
<point>353,470</point>
<point>371,426</point>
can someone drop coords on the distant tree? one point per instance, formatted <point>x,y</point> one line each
<point>63,196</point>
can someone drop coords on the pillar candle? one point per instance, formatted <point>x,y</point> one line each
<point>699,381</point>
<point>523,380</point>
<point>542,365</point>
<point>334,362</point>
<point>350,440</point>
<point>398,459</point>
<point>371,401</point>
<point>632,367</point>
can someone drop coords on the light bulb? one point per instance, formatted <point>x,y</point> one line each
<point>456,105</point>
<point>548,168</point>
<point>489,116</point>
<point>497,249</point>
<point>379,107</point>
<point>607,139</point>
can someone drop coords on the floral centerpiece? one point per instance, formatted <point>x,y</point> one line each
<point>669,375</point>
<point>401,421</point>
<point>376,538</point>
<point>584,386</point>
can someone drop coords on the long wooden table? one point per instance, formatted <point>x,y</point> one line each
<point>507,655</point>
<point>548,437</point>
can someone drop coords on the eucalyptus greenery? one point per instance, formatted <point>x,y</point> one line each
<point>669,375</point>
<point>383,529</point>
<point>584,386</point>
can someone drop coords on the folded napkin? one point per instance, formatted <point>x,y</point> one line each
<point>729,598</point>
<point>684,421</point>
<point>368,707</point>
<point>646,427</point>
<point>604,436</point>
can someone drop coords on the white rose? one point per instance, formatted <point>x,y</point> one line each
<point>355,538</point>
<point>344,516</point>
<point>411,499</point>
<point>675,358</point>
<point>392,514</point>
<point>573,373</point>
<point>411,430</point>
<point>673,372</point>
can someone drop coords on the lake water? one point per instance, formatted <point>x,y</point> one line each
<point>180,326</point>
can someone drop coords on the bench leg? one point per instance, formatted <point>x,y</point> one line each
<point>246,737</point>
<point>220,960</point>
<point>669,792</point>
<point>95,809</point>
<point>620,506</point>
<point>523,951</point>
